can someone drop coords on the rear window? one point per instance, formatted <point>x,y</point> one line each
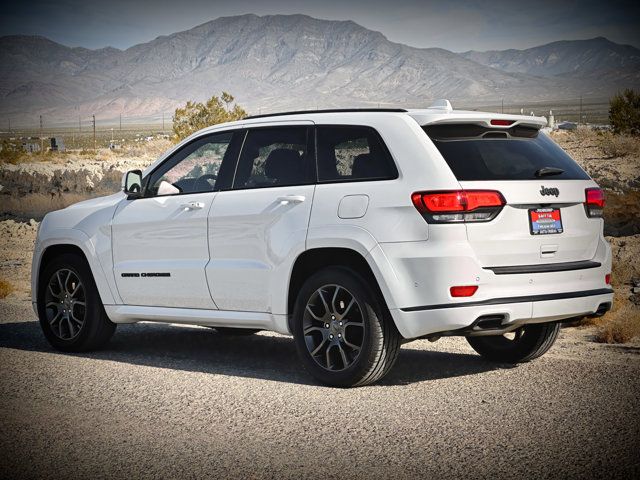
<point>352,153</point>
<point>477,153</point>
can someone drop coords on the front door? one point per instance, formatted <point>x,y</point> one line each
<point>160,245</point>
<point>259,227</point>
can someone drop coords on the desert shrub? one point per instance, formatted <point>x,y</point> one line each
<point>620,145</point>
<point>624,112</point>
<point>619,330</point>
<point>11,153</point>
<point>5,288</point>
<point>195,116</point>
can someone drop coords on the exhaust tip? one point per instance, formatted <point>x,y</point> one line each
<point>602,309</point>
<point>489,322</point>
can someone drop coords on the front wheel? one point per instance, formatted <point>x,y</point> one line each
<point>522,345</point>
<point>70,311</point>
<point>343,334</point>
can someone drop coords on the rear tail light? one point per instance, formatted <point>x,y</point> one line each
<point>607,279</point>
<point>459,205</point>
<point>594,202</point>
<point>463,291</point>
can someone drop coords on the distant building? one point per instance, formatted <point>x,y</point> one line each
<point>57,144</point>
<point>31,147</point>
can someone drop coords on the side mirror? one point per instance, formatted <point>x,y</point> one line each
<point>132,183</point>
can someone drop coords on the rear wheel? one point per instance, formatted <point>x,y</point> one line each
<point>522,345</point>
<point>343,334</point>
<point>69,307</point>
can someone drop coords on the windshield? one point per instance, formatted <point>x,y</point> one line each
<point>519,153</point>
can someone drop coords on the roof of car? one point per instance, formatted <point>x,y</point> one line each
<point>440,111</point>
<point>331,110</point>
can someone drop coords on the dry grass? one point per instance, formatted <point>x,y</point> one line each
<point>140,150</point>
<point>6,288</point>
<point>611,145</point>
<point>619,145</point>
<point>621,324</point>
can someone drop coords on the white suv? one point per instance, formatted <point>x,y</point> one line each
<point>353,230</point>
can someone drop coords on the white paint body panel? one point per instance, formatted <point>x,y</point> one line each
<point>159,235</point>
<point>254,239</point>
<point>231,261</point>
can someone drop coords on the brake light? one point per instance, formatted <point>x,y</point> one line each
<point>458,205</point>
<point>594,202</point>
<point>607,279</point>
<point>463,291</point>
<point>502,123</point>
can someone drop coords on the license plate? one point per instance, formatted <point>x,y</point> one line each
<point>545,221</point>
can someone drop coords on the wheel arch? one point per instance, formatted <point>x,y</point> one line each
<point>49,250</point>
<point>312,260</point>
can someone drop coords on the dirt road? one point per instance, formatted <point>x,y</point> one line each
<point>174,402</point>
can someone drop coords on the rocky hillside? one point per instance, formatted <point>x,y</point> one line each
<point>269,63</point>
<point>577,59</point>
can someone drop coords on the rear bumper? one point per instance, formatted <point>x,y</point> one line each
<point>415,278</point>
<point>416,322</point>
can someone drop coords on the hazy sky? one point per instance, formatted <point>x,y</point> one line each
<point>454,25</point>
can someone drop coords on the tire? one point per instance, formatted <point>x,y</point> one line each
<point>529,343</point>
<point>237,332</point>
<point>70,311</point>
<point>350,337</point>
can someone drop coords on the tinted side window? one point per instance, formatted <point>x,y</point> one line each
<point>348,153</point>
<point>478,153</point>
<point>197,167</point>
<point>274,157</point>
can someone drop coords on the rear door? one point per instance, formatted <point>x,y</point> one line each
<point>544,219</point>
<point>259,226</point>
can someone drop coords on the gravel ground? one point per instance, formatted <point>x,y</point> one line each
<point>170,402</point>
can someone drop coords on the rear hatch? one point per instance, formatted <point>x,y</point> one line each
<point>544,219</point>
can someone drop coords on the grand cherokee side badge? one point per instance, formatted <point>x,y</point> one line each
<point>149,274</point>
<point>549,191</point>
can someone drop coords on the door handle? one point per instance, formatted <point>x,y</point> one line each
<point>192,206</point>
<point>287,199</point>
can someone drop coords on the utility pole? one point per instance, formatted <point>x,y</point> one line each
<point>580,118</point>
<point>94,131</point>
<point>41,139</point>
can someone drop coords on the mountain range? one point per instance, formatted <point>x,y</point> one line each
<point>278,62</point>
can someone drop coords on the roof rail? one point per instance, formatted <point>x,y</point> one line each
<point>333,110</point>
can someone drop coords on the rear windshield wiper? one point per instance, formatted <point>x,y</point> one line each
<point>548,171</point>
